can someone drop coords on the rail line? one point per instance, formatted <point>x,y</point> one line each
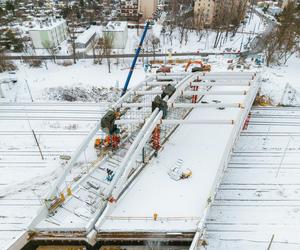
<point>259,194</point>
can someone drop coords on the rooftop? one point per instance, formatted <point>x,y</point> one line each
<point>116,26</point>
<point>47,24</point>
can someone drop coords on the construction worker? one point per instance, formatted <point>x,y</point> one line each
<point>107,141</point>
<point>98,143</point>
<point>115,141</point>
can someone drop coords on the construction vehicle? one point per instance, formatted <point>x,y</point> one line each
<point>108,122</point>
<point>54,202</point>
<point>112,138</point>
<point>108,125</point>
<point>176,173</point>
<point>169,90</point>
<point>203,67</point>
<point>164,69</point>
<point>159,103</point>
<point>137,53</point>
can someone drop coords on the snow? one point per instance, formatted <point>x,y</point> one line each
<point>45,82</point>
<point>48,25</point>
<point>83,74</point>
<point>26,178</point>
<point>258,195</point>
<point>202,148</point>
<point>245,33</point>
<point>84,37</point>
<point>116,26</point>
<point>254,26</point>
<point>278,76</point>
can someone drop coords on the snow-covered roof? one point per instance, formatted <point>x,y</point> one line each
<point>116,26</point>
<point>86,35</point>
<point>46,24</point>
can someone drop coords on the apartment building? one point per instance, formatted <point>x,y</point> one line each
<point>147,8</point>
<point>285,2</point>
<point>48,33</point>
<point>129,10</point>
<point>205,9</point>
<point>208,10</point>
<point>138,10</point>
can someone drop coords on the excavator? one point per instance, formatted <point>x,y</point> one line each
<point>203,67</point>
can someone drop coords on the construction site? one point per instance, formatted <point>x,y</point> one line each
<point>190,157</point>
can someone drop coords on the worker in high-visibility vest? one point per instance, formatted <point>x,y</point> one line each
<point>107,141</point>
<point>98,143</point>
<point>115,141</point>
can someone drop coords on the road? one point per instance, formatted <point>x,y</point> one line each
<point>85,56</point>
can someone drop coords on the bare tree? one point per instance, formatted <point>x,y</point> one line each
<point>71,29</point>
<point>98,51</point>
<point>153,42</point>
<point>50,49</point>
<point>283,41</point>
<point>271,45</point>
<point>108,40</point>
<point>199,24</point>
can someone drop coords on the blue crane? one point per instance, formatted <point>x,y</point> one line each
<point>135,59</point>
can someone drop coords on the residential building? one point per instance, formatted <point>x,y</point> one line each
<point>129,10</point>
<point>119,33</point>
<point>205,10</point>
<point>209,10</point>
<point>147,8</point>
<point>85,39</point>
<point>285,2</point>
<point>48,33</point>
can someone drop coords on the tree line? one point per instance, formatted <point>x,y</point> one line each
<point>283,40</point>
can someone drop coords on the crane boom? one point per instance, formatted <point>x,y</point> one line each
<point>135,58</point>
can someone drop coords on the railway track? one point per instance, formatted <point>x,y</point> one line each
<point>47,133</point>
<point>259,192</point>
<point>53,104</point>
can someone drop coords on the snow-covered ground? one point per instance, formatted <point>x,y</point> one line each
<point>83,74</point>
<point>278,76</point>
<point>43,83</point>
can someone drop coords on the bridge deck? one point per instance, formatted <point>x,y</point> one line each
<point>180,204</point>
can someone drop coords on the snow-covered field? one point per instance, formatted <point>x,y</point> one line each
<point>43,83</point>
<point>84,75</point>
<point>278,76</point>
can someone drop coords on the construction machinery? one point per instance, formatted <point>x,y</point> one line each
<point>169,90</point>
<point>112,138</point>
<point>203,67</point>
<point>159,101</point>
<point>108,125</point>
<point>135,58</point>
<point>176,173</point>
<point>164,69</point>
